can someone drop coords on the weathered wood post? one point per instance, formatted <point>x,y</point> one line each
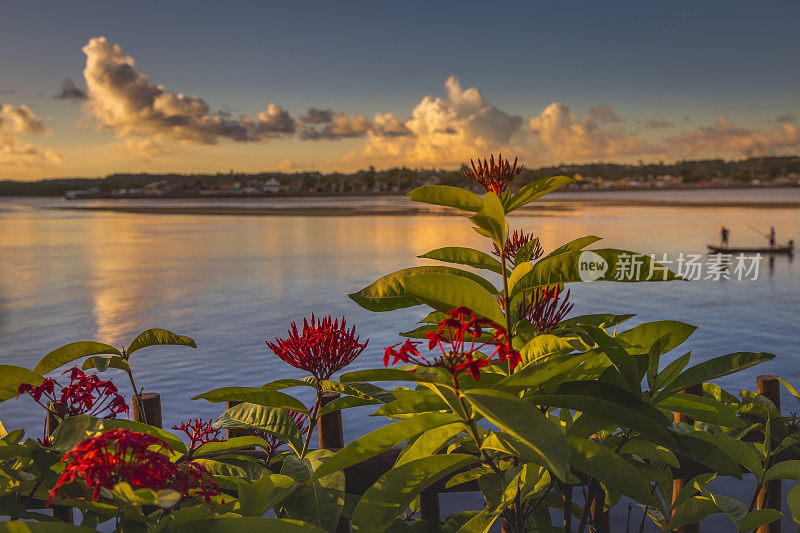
<point>770,495</point>
<point>59,511</point>
<point>149,412</point>
<point>601,519</point>
<point>331,436</point>
<point>678,484</point>
<point>566,498</point>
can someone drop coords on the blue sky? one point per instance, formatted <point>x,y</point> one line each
<point>686,63</point>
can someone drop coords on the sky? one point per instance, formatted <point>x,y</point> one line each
<point>94,88</point>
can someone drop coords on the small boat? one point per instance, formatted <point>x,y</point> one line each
<point>779,249</point>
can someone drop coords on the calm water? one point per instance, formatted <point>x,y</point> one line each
<point>232,282</point>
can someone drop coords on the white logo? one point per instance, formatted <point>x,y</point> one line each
<point>591,266</point>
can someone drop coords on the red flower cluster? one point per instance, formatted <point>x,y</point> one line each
<point>494,177</point>
<point>459,338</point>
<point>324,347</point>
<point>273,442</point>
<point>123,455</point>
<point>199,432</point>
<point>517,240</point>
<point>546,308</point>
<point>84,395</point>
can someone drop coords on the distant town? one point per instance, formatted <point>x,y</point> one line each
<point>753,172</point>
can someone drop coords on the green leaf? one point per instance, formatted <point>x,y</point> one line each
<point>250,524</point>
<point>387,374</point>
<point>11,377</point>
<point>382,439</point>
<point>72,351</point>
<point>480,523</point>
<point>465,256</point>
<point>446,292</point>
<point>760,517</point>
<point>535,373</point>
<point>274,420</point>
<point>159,337</point>
<point>233,443</point>
<point>614,471</point>
<point>447,196</point>
<point>784,470</point>
<point>574,245</point>
<point>708,453</point>
<point>712,369</point>
<point>492,219</point>
<point>318,500</point>
<point>793,501</point>
<point>396,489</point>
<point>744,453</point>
<point>671,371</point>
<point>702,408</point>
<point>76,429</point>
<point>411,405</point>
<point>525,422</point>
<point>389,292</point>
<point>564,268</point>
<point>430,442</point>
<point>536,189</point>
<point>104,363</point>
<point>610,403</point>
<point>664,335</point>
<point>598,320</point>
<point>525,251</point>
<point>258,396</point>
<point>648,450</point>
<point>547,344</point>
<point>692,511</point>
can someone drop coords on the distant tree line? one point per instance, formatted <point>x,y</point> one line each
<point>403,179</point>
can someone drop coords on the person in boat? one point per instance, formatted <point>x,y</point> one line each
<point>724,235</point>
<point>772,237</point>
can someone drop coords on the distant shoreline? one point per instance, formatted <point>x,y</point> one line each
<point>543,208</point>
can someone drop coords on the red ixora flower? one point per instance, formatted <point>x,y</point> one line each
<point>84,395</point>
<point>494,177</point>
<point>517,240</point>
<point>136,458</point>
<point>324,347</point>
<point>199,432</point>
<point>273,442</point>
<point>459,339</point>
<point>546,307</point>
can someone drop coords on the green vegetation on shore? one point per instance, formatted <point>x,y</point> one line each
<point>784,170</point>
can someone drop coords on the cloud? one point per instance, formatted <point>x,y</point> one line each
<point>20,119</point>
<point>567,136</point>
<point>70,91</point>
<point>605,114</point>
<point>441,131</point>
<point>331,125</point>
<point>128,103</point>
<point>726,137</point>
<point>654,124</point>
<point>785,119</point>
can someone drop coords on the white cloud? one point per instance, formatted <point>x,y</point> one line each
<point>570,137</point>
<point>726,137</point>
<point>127,102</point>
<point>331,125</point>
<point>441,131</point>
<point>21,120</point>
<point>605,113</point>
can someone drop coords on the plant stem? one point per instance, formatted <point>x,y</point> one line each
<point>506,299</point>
<point>586,505</point>
<point>313,421</point>
<point>473,430</point>
<point>138,395</point>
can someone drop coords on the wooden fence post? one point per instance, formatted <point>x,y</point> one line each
<point>770,495</point>
<point>678,484</point>
<point>601,519</point>
<point>61,512</point>
<point>429,505</point>
<point>150,410</point>
<point>331,435</point>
